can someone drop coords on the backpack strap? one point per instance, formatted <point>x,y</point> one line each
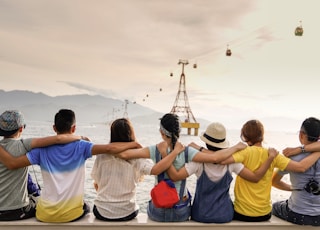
<point>161,175</point>
<point>183,183</point>
<point>158,158</point>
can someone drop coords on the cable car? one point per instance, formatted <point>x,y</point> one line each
<point>195,65</point>
<point>160,89</point>
<point>228,51</point>
<point>299,30</point>
<point>171,74</point>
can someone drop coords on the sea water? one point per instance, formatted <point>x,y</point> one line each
<point>149,135</point>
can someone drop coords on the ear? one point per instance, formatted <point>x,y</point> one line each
<point>73,128</point>
<point>54,128</point>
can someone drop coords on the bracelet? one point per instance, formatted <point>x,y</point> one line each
<point>201,148</point>
<point>303,150</point>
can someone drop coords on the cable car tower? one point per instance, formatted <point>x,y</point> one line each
<point>181,105</point>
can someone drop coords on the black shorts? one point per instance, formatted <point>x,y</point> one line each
<point>26,212</point>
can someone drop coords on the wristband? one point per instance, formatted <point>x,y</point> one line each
<point>201,148</point>
<point>302,149</point>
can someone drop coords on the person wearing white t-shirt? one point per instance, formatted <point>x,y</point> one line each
<point>212,202</point>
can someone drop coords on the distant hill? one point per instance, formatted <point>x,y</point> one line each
<point>88,108</point>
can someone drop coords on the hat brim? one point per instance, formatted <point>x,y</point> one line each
<point>222,145</point>
<point>5,133</point>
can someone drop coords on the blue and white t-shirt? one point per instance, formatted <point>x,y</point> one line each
<point>63,172</point>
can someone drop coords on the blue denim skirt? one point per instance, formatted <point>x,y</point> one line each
<point>178,213</point>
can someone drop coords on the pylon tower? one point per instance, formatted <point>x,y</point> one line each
<point>181,105</point>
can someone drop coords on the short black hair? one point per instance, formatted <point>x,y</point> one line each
<point>64,120</point>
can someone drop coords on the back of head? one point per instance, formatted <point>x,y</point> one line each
<point>311,127</point>
<point>252,132</point>
<point>121,130</point>
<point>10,122</point>
<point>170,125</point>
<point>64,120</point>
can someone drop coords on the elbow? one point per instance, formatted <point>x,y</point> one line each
<point>174,178</point>
<point>124,156</point>
<point>255,180</point>
<point>11,166</point>
<point>301,169</point>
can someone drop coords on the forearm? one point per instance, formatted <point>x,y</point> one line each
<point>13,162</point>
<point>114,148</point>
<point>304,164</point>
<point>165,163</point>
<point>221,155</point>
<point>313,147</point>
<point>52,140</point>
<point>259,173</point>
<point>278,183</point>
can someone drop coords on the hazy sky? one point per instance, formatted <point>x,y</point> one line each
<point>126,49</point>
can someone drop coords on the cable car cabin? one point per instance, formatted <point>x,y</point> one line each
<point>228,52</point>
<point>171,74</point>
<point>298,31</point>
<point>195,65</point>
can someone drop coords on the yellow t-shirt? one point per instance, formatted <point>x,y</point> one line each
<point>254,199</point>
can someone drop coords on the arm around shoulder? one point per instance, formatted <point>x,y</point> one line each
<point>52,140</point>
<point>13,162</point>
<point>304,164</point>
<point>114,147</point>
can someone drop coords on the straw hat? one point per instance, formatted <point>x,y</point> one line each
<point>215,135</point>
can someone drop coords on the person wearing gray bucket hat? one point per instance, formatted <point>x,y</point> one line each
<point>10,122</point>
<point>17,191</point>
<point>213,180</point>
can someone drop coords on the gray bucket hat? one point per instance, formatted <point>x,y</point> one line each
<point>10,122</point>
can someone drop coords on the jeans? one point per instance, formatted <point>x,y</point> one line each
<point>26,212</point>
<point>280,209</point>
<point>178,214</point>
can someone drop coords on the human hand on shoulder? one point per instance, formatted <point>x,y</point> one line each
<point>178,148</point>
<point>273,152</point>
<point>85,138</point>
<point>240,146</point>
<point>289,151</point>
<point>194,145</point>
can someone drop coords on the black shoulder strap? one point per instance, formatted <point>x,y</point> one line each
<point>158,158</point>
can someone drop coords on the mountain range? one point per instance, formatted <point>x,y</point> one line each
<point>88,108</point>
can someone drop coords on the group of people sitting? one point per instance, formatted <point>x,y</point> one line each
<point>121,164</point>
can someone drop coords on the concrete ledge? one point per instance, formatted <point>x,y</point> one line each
<point>143,222</point>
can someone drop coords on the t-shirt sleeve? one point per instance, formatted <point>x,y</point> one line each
<point>281,162</point>
<point>145,165</point>
<point>236,167</point>
<point>27,144</point>
<point>191,153</point>
<point>34,156</point>
<point>152,150</point>
<point>239,156</point>
<point>194,168</point>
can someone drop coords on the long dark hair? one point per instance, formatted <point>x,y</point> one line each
<point>171,123</point>
<point>121,130</point>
